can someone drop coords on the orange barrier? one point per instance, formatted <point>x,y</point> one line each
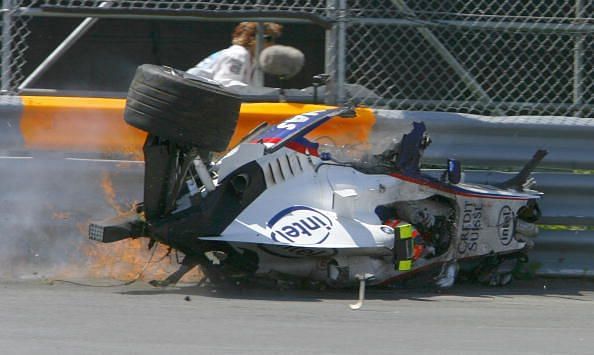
<point>97,125</point>
<point>78,124</point>
<point>339,131</point>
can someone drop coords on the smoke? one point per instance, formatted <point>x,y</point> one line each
<point>386,132</point>
<point>46,204</point>
<point>382,137</point>
<point>29,216</point>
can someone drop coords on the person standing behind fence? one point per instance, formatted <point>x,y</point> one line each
<point>235,65</point>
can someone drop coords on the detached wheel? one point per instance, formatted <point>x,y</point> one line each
<point>182,108</point>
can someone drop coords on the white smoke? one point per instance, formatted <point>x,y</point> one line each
<point>46,204</point>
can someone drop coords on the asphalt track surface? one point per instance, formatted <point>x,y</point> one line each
<point>535,317</point>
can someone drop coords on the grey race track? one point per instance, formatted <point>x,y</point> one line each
<point>535,317</point>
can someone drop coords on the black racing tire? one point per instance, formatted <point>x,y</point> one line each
<point>182,108</point>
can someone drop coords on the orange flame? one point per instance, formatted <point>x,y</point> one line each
<point>128,259</point>
<point>110,195</point>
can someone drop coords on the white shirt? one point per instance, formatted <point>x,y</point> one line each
<point>230,67</point>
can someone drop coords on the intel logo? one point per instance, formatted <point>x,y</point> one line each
<point>300,225</point>
<point>506,225</point>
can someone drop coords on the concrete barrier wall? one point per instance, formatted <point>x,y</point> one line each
<point>11,111</point>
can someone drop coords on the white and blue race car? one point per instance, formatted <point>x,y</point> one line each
<point>278,206</point>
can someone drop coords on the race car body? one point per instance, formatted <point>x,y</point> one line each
<point>279,206</point>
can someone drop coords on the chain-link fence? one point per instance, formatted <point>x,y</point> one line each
<point>13,44</point>
<point>491,57</point>
<point>505,57</point>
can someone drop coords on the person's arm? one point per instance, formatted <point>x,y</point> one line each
<point>206,66</point>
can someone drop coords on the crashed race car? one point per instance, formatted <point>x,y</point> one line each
<point>279,207</point>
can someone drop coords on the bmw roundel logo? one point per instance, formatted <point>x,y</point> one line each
<point>387,230</point>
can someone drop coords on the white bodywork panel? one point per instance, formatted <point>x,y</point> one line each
<point>238,156</point>
<point>305,210</point>
<point>320,205</point>
<point>313,212</point>
<point>485,226</point>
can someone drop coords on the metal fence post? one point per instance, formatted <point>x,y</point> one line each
<point>341,53</point>
<point>330,54</point>
<point>578,62</point>
<point>6,45</point>
<point>258,78</point>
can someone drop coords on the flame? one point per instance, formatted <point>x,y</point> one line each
<point>110,195</point>
<point>125,260</point>
<point>128,259</point>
